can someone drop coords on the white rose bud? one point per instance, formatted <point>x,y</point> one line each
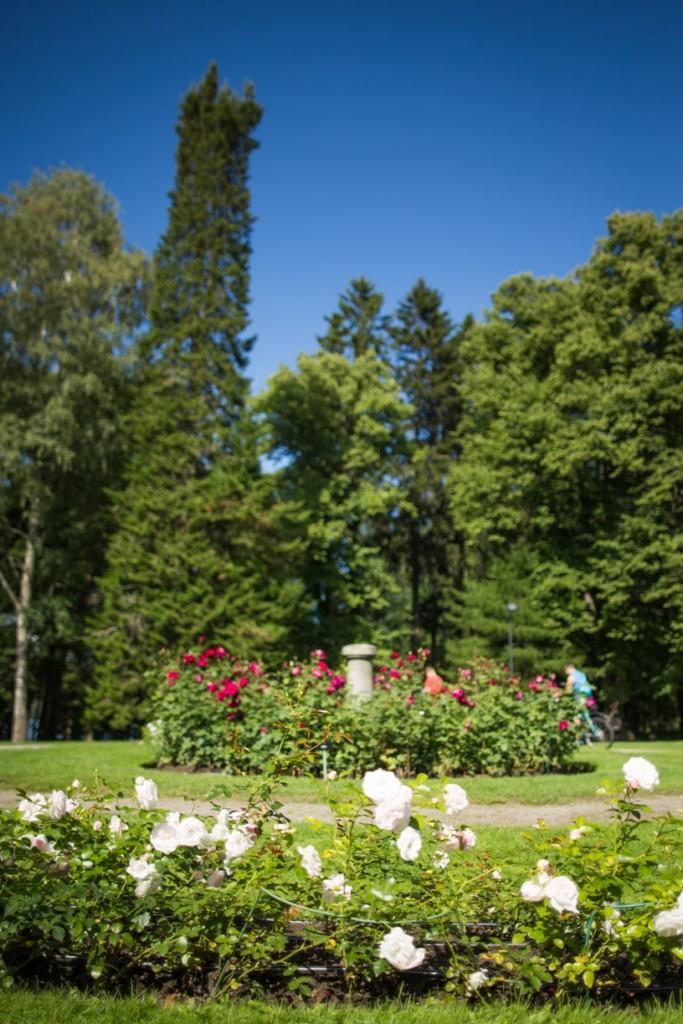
<point>146,792</point>
<point>409,843</point>
<point>59,804</point>
<point>310,861</point>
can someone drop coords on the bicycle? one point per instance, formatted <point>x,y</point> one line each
<point>604,726</point>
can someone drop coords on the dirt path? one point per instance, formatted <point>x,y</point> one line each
<point>508,814</point>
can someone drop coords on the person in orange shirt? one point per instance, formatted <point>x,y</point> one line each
<point>433,684</point>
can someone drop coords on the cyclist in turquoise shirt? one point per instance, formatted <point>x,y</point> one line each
<point>578,685</point>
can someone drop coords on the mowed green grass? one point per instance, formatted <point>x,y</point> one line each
<point>60,1007</point>
<point>43,766</point>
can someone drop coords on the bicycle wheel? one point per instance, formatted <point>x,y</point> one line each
<point>604,727</point>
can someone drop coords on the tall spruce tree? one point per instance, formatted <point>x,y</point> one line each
<point>358,326</point>
<point>428,368</point>
<point>200,545</point>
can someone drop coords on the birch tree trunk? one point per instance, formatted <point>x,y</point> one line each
<point>22,607</point>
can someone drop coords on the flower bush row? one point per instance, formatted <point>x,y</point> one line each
<point>238,900</point>
<point>216,711</point>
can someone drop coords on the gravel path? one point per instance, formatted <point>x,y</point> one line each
<point>524,815</point>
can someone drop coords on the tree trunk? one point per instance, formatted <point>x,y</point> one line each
<point>415,623</point>
<point>23,605</point>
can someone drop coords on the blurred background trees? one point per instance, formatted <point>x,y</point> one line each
<point>403,484</point>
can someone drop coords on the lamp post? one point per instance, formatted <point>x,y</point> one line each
<point>511,609</point>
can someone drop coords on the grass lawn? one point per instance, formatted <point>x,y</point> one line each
<point>41,766</point>
<point>61,1007</point>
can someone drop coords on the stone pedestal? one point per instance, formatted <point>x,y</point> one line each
<point>359,684</point>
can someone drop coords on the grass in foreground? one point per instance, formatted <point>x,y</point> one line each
<point>62,1007</point>
<point>44,766</point>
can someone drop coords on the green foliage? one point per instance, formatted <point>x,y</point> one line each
<point>235,900</point>
<point>570,465</point>
<point>336,425</point>
<point>71,296</point>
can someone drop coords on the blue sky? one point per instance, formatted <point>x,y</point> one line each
<point>460,141</point>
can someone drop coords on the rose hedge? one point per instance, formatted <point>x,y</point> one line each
<point>237,902</point>
<point>215,711</point>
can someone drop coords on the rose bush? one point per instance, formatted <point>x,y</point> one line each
<point>233,900</point>
<point>217,711</point>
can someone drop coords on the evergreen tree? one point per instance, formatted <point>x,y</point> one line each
<point>428,370</point>
<point>69,297</point>
<point>200,546</point>
<point>358,326</point>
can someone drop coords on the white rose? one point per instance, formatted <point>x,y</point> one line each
<point>310,861</point>
<point>331,775</point>
<point>467,839</point>
<point>191,832</point>
<point>32,806</point>
<point>237,843</point>
<point>380,786</point>
<point>393,815</point>
<point>117,826</point>
<point>640,773</point>
<point>576,833</point>
<point>532,892</point>
<point>165,838</point>
<point>398,948</point>
<point>140,869</point>
<point>96,825</point>
<point>59,804</point>
<point>562,894</point>
<point>611,921</point>
<point>147,885</point>
<point>543,865</point>
<point>455,798</point>
<point>441,860</point>
<point>670,922</point>
<point>146,792</point>
<point>218,834</point>
<point>496,875</point>
<point>476,980</point>
<point>334,886</point>
<point>409,843</point>
<point>41,843</point>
